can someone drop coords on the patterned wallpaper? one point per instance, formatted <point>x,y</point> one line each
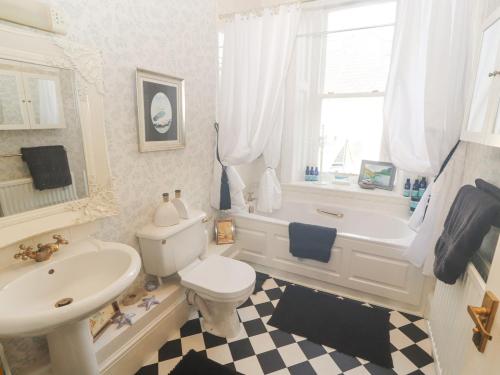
<point>176,37</point>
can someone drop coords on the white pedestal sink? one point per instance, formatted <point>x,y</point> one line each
<point>82,279</point>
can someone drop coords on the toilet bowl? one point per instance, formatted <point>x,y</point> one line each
<point>216,285</point>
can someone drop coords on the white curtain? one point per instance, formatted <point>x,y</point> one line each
<point>443,193</point>
<point>256,56</point>
<point>429,82</point>
<point>301,133</point>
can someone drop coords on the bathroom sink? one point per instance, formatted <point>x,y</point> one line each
<point>56,297</point>
<point>66,290</point>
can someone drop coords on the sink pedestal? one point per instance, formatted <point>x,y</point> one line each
<point>72,351</point>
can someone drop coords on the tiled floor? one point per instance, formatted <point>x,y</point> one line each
<point>262,349</point>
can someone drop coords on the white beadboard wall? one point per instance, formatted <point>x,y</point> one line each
<point>451,326</point>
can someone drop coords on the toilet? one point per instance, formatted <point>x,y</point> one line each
<point>216,285</point>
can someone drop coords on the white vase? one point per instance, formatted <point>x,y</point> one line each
<point>181,206</point>
<point>166,214</point>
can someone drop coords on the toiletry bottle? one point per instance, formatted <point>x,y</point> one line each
<point>407,188</point>
<point>415,189</point>
<point>316,174</point>
<point>181,205</point>
<point>414,195</point>
<point>166,214</point>
<point>307,177</point>
<point>423,186</point>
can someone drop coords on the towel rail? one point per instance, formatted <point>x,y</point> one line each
<point>336,214</point>
<point>14,155</point>
<point>10,155</point>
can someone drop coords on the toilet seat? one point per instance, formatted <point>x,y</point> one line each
<point>219,278</point>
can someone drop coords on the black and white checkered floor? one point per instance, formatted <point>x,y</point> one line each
<point>262,349</point>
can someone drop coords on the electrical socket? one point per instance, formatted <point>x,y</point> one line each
<point>58,20</point>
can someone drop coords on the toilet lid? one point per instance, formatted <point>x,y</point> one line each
<point>220,277</point>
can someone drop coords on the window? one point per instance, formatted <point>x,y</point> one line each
<point>355,64</point>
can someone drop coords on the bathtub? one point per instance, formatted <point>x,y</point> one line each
<point>366,257</point>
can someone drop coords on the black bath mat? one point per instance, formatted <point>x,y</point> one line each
<point>195,363</point>
<point>345,325</point>
<point>260,278</point>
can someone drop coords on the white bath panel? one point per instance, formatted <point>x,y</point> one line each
<point>386,271</point>
<point>249,255</point>
<point>251,239</point>
<point>307,268</point>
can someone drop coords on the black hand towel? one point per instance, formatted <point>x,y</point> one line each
<point>471,216</point>
<point>492,190</point>
<point>311,241</point>
<point>48,166</point>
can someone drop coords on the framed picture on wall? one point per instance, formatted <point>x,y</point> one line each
<point>160,111</point>
<point>379,173</point>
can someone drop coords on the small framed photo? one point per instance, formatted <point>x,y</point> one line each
<point>379,173</point>
<point>160,111</point>
<point>102,319</point>
<point>224,231</point>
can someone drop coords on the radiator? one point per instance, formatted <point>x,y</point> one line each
<point>451,327</point>
<point>20,195</point>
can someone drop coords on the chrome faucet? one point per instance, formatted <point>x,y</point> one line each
<point>43,252</point>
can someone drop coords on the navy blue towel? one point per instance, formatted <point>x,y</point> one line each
<point>311,241</point>
<point>48,165</point>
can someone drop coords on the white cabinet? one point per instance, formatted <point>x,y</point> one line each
<point>30,97</point>
<point>13,110</point>
<point>483,124</point>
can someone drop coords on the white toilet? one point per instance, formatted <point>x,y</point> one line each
<point>216,285</point>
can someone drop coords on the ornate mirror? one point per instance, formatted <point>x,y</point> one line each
<point>54,169</point>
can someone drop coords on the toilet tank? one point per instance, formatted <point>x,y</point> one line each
<point>167,250</point>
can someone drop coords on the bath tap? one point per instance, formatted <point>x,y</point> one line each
<point>250,199</point>
<point>43,252</point>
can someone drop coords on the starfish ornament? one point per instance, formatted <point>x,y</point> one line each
<point>148,302</point>
<point>123,319</point>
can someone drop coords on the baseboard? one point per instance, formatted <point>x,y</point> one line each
<point>130,357</point>
<point>435,354</point>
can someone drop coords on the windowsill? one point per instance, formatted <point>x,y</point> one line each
<point>352,188</point>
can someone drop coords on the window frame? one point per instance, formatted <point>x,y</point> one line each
<point>322,95</point>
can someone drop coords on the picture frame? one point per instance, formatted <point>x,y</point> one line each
<point>224,231</point>
<point>103,319</point>
<point>380,173</point>
<point>160,111</point>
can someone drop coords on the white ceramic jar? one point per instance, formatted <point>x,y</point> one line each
<point>166,214</point>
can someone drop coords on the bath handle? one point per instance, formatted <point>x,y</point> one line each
<point>336,214</point>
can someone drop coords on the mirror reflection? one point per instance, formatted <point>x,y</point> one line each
<point>42,160</point>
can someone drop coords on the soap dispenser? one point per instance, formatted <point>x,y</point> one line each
<point>181,205</point>
<point>166,213</point>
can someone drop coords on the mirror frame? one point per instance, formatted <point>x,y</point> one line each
<point>55,51</point>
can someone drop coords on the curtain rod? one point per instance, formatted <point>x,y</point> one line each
<point>285,3</point>
<point>259,9</point>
